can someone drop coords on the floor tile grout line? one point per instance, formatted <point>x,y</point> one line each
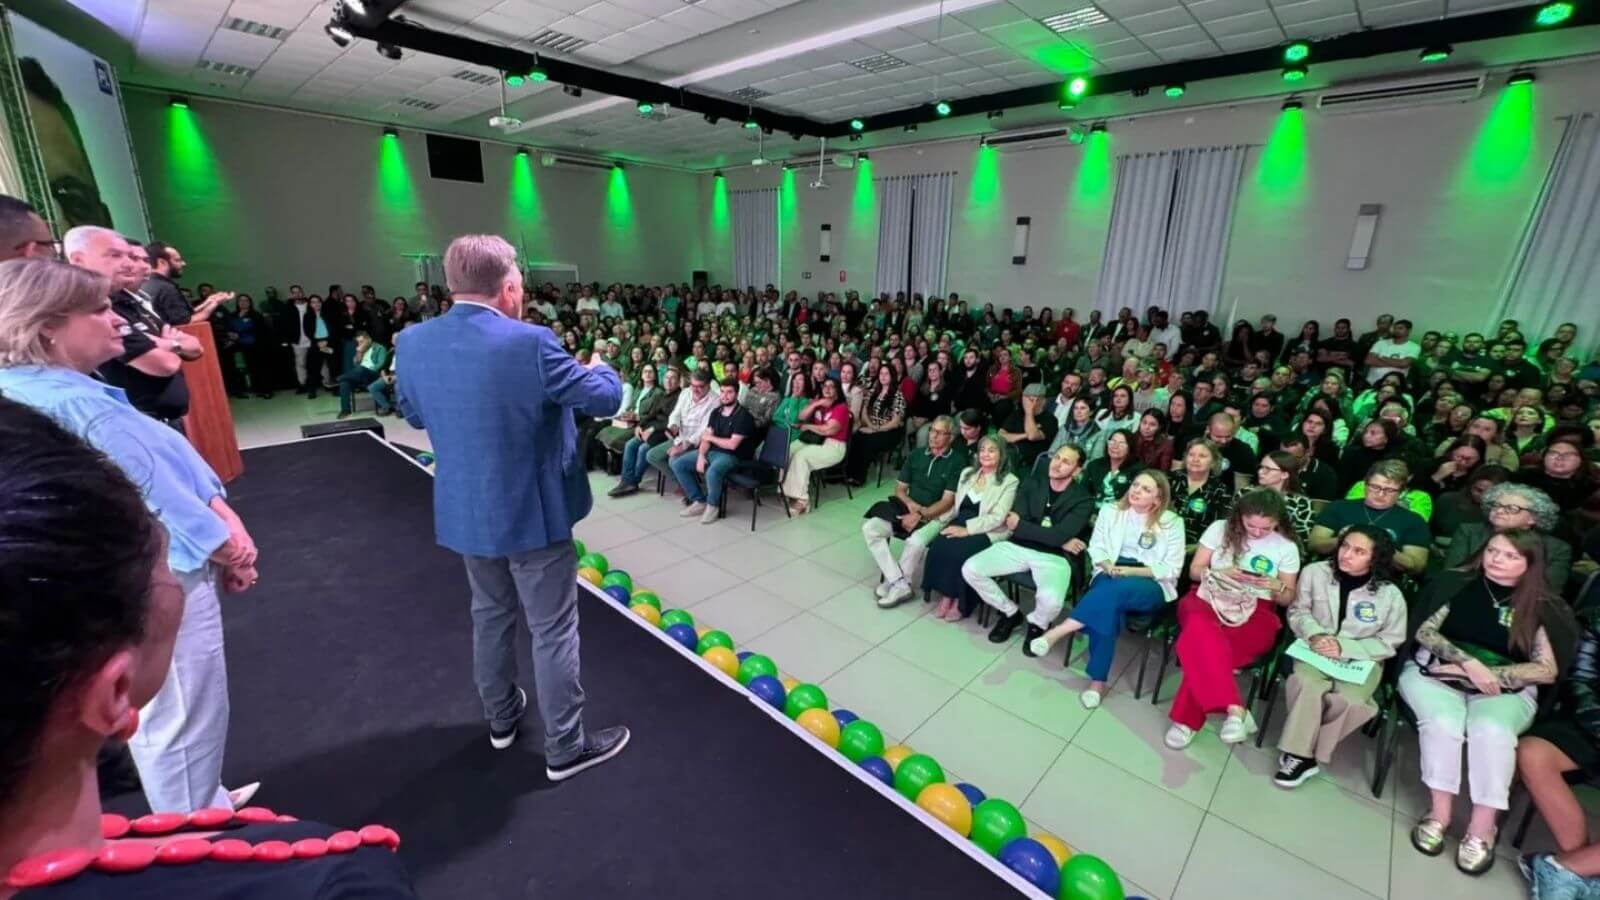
<point>1141,779</point>
<point>1335,875</point>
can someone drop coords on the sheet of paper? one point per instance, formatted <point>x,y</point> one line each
<point>1354,671</point>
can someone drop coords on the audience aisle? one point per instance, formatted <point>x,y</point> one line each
<point>1206,825</point>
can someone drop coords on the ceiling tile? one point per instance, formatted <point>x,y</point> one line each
<point>1195,50</point>
<point>1253,40</point>
<point>1039,9</point>
<point>1023,35</point>
<point>1124,9</point>
<point>734,10</point>
<point>695,20</point>
<point>614,16</point>
<point>1232,25</point>
<point>531,15</point>
<point>969,42</point>
<point>992,15</point>
<point>1416,11</point>
<point>579,27</point>
<point>1206,10</point>
<point>1176,37</point>
<point>933,29</point>
<point>282,13</point>
<point>249,50</point>
<point>1329,27</point>
<point>1292,14</point>
<point>494,26</point>
<point>660,32</point>
<point>1164,20</point>
<point>653,8</point>
<point>1130,61</point>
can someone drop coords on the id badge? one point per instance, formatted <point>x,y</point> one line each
<point>1045,523</point>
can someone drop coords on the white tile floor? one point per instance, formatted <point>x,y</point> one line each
<point>1201,825</point>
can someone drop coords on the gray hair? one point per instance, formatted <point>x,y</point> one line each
<point>1545,511</point>
<point>77,240</point>
<point>36,294</point>
<point>948,422</point>
<point>478,264</point>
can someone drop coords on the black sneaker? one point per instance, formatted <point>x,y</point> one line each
<point>1001,632</point>
<point>598,747</point>
<point>1294,770</point>
<point>1034,632</point>
<point>623,489</point>
<point>500,740</point>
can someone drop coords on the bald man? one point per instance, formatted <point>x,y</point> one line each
<point>23,234</point>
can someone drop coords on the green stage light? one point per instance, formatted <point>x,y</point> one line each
<point>942,108</point>
<point>1296,51</point>
<point>1175,90</point>
<point>857,125</point>
<point>538,74</point>
<point>1077,87</point>
<point>1438,53</point>
<point>1066,103</point>
<point>645,107</point>
<point>392,133</point>
<point>514,80</point>
<point>1554,13</point>
<point>1295,73</point>
<point>178,102</point>
<point>751,123</point>
<point>1520,78</point>
<point>522,151</point>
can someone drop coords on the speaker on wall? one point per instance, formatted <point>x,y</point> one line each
<point>700,279</point>
<point>825,244</point>
<point>1019,244</point>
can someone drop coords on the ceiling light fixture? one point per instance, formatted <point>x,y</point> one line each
<point>854,138</point>
<point>340,34</point>
<point>645,107</point>
<point>857,125</point>
<point>515,80</point>
<point>911,126</point>
<point>1552,14</point>
<point>1293,103</point>
<point>178,101</point>
<point>1066,103</point>
<point>1078,87</point>
<point>1296,51</point>
<point>522,151</point>
<point>1294,73</point>
<point>751,123</point>
<point>616,164</point>
<point>1097,128</point>
<point>572,90</point>
<point>717,174</point>
<point>1075,20</point>
<point>391,133</point>
<point>996,114</point>
<point>942,107</point>
<point>1176,90</point>
<point>1523,77</point>
<point>1438,53</point>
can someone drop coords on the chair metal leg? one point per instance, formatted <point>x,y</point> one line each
<point>755,504</point>
<point>1387,744</point>
<point>1522,825</point>
<point>1066,660</point>
<point>1161,673</point>
<point>1271,698</point>
<point>1138,686</point>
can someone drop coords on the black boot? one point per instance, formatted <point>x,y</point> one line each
<point>1034,631</point>
<point>1001,632</point>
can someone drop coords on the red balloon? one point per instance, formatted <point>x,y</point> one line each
<point>183,851</point>
<point>131,856</point>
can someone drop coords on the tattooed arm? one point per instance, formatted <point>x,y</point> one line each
<point>1542,670</point>
<point>1429,637</point>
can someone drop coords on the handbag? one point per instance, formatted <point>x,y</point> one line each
<point>811,437</point>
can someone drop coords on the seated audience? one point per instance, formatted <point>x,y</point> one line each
<point>1378,507</point>
<point>655,417</point>
<point>1488,638</point>
<point>1029,431</point>
<point>685,423</point>
<point>1136,551</point>
<point>880,427</point>
<point>1280,471</point>
<point>727,439</point>
<point>984,496</point>
<point>370,358</point>
<point>1051,510</point>
<point>1509,506</point>
<point>1108,477</point>
<point>1202,494</point>
<point>823,437</point>
<point>924,490</point>
<point>1243,572</point>
<point>646,395</point>
<point>760,397</point>
<point>1347,609</point>
<point>1152,446</point>
<point>1081,430</point>
<point>787,414</point>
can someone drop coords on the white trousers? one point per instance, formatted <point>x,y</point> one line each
<point>805,459</point>
<point>1489,726</point>
<point>300,352</point>
<point>184,728</point>
<point>878,532</point>
<point>1052,576</point>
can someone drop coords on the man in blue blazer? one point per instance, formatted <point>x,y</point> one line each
<point>496,395</point>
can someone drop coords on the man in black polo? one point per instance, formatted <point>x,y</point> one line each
<point>1029,431</point>
<point>161,286</point>
<point>728,439</point>
<point>925,488</point>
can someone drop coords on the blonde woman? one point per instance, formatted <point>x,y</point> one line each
<point>1137,553</point>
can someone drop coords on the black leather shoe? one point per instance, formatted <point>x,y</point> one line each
<point>1001,632</point>
<point>597,748</point>
<point>1034,631</point>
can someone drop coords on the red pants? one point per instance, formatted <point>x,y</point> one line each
<point>1210,652</point>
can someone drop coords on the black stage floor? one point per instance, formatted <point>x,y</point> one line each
<point>353,703</point>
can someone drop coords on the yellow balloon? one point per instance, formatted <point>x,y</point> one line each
<point>894,754</point>
<point>821,723</point>
<point>946,803</point>
<point>1057,847</point>
<point>789,684</point>
<point>593,576</point>
<point>723,659</point>
<point>648,613</point>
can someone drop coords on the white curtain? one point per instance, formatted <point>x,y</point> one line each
<point>1136,242</point>
<point>755,238</point>
<point>930,232</point>
<point>894,235</point>
<point>1555,277</point>
<point>1197,236</point>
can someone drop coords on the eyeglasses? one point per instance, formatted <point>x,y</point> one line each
<point>1266,468</point>
<point>938,431</point>
<point>1563,454</point>
<point>1373,488</point>
<point>1511,508</point>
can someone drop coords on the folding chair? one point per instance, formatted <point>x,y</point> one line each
<point>765,471</point>
<point>834,474</point>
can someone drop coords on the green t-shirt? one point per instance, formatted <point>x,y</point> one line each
<point>1406,527</point>
<point>927,477</point>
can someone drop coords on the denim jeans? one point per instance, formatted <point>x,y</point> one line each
<point>718,462</point>
<point>1102,608</point>
<point>382,395</point>
<point>349,380</point>
<point>633,461</point>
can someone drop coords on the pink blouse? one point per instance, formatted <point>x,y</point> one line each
<point>839,413</point>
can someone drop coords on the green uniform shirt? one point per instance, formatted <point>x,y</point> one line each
<point>928,477</point>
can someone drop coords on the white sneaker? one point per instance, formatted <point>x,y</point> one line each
<point>1236,729</point>
<point>240,797</point>
<point>897,594</point>
<point>1090,698</point>
<point>692,510</point>
<point>709,516</point>
<point>881,589</point>
<point>1040,647</point>
<point>1179,737</point>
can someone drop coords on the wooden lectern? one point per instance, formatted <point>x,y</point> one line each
<point>210,421</point>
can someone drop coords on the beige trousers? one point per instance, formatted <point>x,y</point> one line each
<point>1323,712</point>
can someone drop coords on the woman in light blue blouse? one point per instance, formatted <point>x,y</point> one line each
<point>56,328</point>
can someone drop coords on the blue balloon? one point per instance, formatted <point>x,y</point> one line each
<point>743,655</point>
<point>974,796</point>
<point>768,688</point>
<point>1029,858</point>
<point>425,458</point>
<point>879,767</point>
<point>844,717</point>
<point>685,635</point>
<point>619,593</point>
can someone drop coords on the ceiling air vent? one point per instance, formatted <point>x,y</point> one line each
<point>1388,95</point>
<point>883,62</point>
<point>749,94</point>
<point>417,103</point>
<point>583,132</point>
<point>259,29</point>
<point>474,76</point>
<point>559,41</point>
<point>222,68</point>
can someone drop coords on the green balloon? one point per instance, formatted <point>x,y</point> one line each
<point>617,576</point>
<point>804,697</point>
<point>595,561</point>
<point>676,617</point>
<point>859,740</point>
<point>578,547</point>
<point>754,666</point>
<point>646,597</point>
<point>713,639</point>
<point>916,772</point>
<point>995,823</point>
<point>1087,877</point>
